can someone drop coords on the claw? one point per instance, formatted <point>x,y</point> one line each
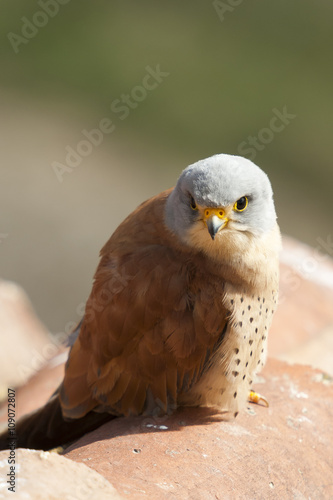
<point>255,397</point>
<point>59,450</point>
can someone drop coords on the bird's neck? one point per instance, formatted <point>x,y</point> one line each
<point>244,258</point>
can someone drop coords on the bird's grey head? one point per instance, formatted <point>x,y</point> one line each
<point>219,196</point>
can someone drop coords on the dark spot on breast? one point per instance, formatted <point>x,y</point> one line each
<point>250,342</point>
<point>244,377</point>
<point>235,414</point>
<point>262,350</point>
<point>242,300</point>
<point>243,312</point>
<point>250,382</point>
<point>235,374</point>
<point>259,313</point>
<point>251,353</point>
<point>240,324</point>
<point>251,320</point>
<point>263,300</point>
<point>249,307</point>
<point>237,361</point>
<point>235,395</point>
<point>222,391</point>
<point>247,364</point>
<point>256,330</point>
<point>259,362</point>
<point>236,350</point>
<point>259,298</point>
<point>232,302</point>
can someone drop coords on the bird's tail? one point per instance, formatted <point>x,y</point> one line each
<point>46,428</point>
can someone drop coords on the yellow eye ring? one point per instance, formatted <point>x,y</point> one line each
<point>193,205</point>
<point>241,204</point>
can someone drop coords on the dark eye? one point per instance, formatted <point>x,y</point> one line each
<point>193,204</point>
<point>241,204</point>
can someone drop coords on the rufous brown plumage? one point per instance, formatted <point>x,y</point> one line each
<point>180,306</point>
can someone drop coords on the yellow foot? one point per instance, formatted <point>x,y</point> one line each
<point>255,397</point>
<point>59,450</point>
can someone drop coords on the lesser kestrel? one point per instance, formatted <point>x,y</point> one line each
<point>180,307</point>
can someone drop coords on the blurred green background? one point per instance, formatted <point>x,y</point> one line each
<point>228,68</point>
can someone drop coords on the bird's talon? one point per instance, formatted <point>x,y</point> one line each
<point>255,397</point>
<point>59,450</point>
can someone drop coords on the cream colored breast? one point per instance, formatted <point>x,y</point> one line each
<point>228,379</point>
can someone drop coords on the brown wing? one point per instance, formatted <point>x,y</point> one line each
<point>151,321</point>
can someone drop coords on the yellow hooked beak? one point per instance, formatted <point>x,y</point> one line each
<point>215,219</point>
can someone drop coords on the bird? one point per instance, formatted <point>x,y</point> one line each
<point>180,307</point>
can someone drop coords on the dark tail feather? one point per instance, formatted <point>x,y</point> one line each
<point>46,428</point>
